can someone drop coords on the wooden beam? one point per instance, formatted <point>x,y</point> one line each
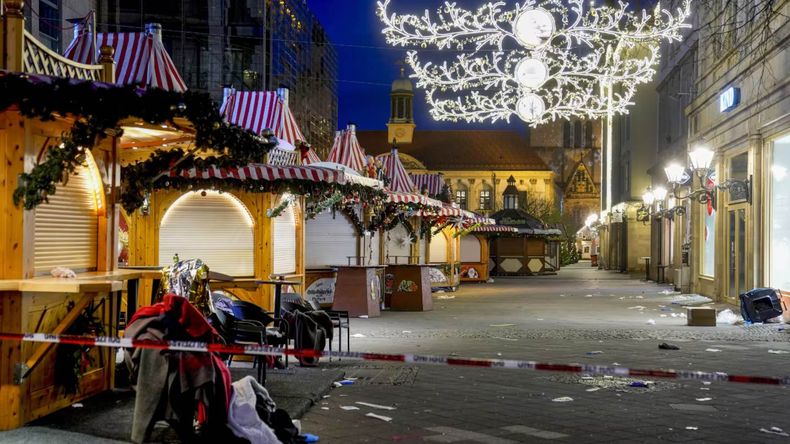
<point>44,348</point>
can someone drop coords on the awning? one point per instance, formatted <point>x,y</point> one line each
<point>396,173</point>
<point>265,173</point>
<point>140,57</point>
<point>346,150</point>
<point>434,183</point>
<point>412,198</point>
<point>495,229</point>
<point>310,157</point>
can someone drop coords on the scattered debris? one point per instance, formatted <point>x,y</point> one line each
<point>324,408</point>
<point>349,407</point>
<point>704,399</point>
<point>588,295</point>
<point>406,331</point>
<point>651,322</point>
<point>775,431</point>
<point>727,317</point>
<point>310,438</point>
<point>326,396</point>
<point>779,352</point>
<point>640,384</point>
<point>343,382</point>
<point>358,335</point>
<point>77,405</point>
<point>593,389</point>
<point>665,346</point>
<point>375,406</point>
<point>445,296</point>
<point>615,363</point>
<point>363,316</point>
<point>692,428</point>
<point>502,325</point>
<point>712,350</point>
<point>690,299</point>
<point>637,307</point>
<point>563,399</point>
<point>596,352</point>
<point>379,417</point>
<point>506,339</point>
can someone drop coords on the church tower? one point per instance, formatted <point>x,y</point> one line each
<point>401,125</point>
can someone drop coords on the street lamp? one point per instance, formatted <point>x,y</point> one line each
<point>701,160</point>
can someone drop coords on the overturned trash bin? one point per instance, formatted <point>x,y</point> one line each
<point>760,305</point>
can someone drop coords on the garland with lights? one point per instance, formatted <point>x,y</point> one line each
<point>45,98</point>
<point>521,62</point>
<point>323,205</point>
<point>278,210</point>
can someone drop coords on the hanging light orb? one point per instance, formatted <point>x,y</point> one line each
<point>533,28</point>
<point>530,107</point>
<point>531,73</point>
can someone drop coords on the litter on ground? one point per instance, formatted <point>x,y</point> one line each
<point>593,389</point>
<point>445,296</point>
<point>712,350</point>
<point>727,317</point>
<point>704,399</point>
<point>563,399</point>
<point>665,346</point>
<point>358,335</point>
<point>349,407</point>
<point>375,406</point>
<point>502,325</point>
<point>779,352</point>
<point>651,322</point>
<point>692,428</point>
<point>690,299</point>
<point>775,431</point>
<point>379,417</point>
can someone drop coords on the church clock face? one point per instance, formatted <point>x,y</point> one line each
<point>400,132</point>
<point>533,28</point>
<point>530,107</point>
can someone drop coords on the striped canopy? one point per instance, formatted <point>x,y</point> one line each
<point>258,110</point>
<point>346,150</point>
<point>310,157</point>
<point>396,173</point>
<point>434,183</point>
<point>495,229</point>
<point>140,57</point>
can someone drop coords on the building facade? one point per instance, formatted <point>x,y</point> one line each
<point>742,111</point>
<point>245,44</point>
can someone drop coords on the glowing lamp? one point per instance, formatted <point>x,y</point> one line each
<point>660,193</point>
<point>674,172</point>
<point>701,157</point>
<point>648,198</point>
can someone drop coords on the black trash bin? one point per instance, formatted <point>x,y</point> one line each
<point>760,305</point>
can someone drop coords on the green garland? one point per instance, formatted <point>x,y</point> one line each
<point>323,205</point>
<point>99,110</point>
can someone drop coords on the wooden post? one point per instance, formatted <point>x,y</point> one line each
<point>108,63</point>
<point>13,36</point>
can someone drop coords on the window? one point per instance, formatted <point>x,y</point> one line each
<point>588,134</point>
<point>577,134</point>
<point>485,199</point>
<point>779,221</point>
<point>461,198</point>
<point>49,23</point>
<point>566,134</point>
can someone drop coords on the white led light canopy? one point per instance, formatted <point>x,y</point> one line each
<point>563,51</point>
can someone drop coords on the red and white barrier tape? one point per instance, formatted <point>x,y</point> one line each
<point>257,350</point>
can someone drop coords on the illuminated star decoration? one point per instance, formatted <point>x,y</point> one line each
<point>541,61</point>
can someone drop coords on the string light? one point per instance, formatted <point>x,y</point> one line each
<point>541,61</point>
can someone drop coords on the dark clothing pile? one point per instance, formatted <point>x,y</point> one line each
<point>176,385</point>
<point>310,330</point>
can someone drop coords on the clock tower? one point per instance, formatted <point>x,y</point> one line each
<point>401,125</point>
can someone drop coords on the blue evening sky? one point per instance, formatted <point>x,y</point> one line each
<point>367,65</point>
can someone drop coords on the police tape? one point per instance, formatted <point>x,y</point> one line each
<point>262,350</point>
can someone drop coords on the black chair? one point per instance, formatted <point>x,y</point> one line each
<point>276,327</point>
<point>340,321</point>
<point>243,332</point>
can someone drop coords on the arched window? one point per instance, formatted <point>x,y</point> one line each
<point>577,134</point>
<point>566,134</point>
<point>461,196</point>
<point>485,198</point>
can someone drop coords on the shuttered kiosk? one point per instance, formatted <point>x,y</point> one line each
<point>214,227</point>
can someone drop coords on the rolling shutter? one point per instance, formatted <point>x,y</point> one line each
<point>470,249</point>
<point>284,242</point>
<point>397,243</point>
<point>422,251</point>
<point>331,239</point>
<point>375,240</point>
<point>439,248</point>
<point>67,228</point>
<point>215,228</point>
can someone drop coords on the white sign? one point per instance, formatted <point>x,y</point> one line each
<point>322,290</point>
<point>729,99</point>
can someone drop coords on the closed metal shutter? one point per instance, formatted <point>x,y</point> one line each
<point>215,228</point>
<point>438,248</point>
<point>422,251</point>
<point>284,242</point>
<point>331,239</point>
<point>470,249</point>
<point>67,228</point>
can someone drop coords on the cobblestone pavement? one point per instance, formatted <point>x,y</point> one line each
<point>579,316</point>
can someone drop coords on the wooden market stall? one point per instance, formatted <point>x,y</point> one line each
<point>340,245</point>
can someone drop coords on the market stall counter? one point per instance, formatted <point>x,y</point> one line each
<point>408,287</point>
<point>358,290</point>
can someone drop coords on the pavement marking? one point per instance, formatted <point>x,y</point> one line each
<point>451,434</point>
<point>694,407</point>
<point>544,434</point>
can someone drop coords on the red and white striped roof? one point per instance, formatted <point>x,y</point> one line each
<point>434,183</point>
<point>264,172</point>
<point>413,198</point>
<point>140,57</point>
<point>495,229</point>
<point>310,157</point>
<point>259,110</point>
<point>347,151</point>
<point>396,173</point>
